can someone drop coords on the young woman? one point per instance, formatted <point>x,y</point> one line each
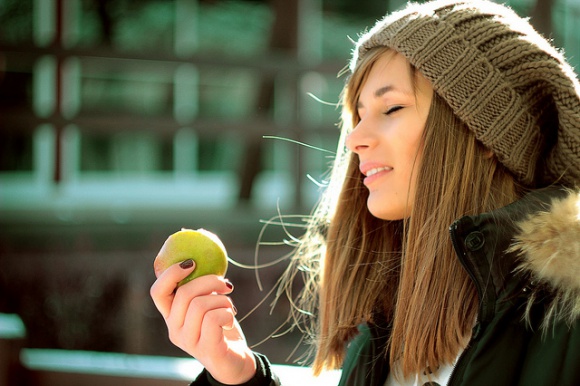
<point>446,248</point>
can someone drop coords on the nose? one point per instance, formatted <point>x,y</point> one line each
<point>361,137</point>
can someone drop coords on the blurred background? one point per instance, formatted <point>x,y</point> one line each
<point>122,121</point>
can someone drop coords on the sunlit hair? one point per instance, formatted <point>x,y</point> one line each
<point>358,268</point>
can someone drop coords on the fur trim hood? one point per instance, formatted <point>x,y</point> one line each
<point>548,244</point>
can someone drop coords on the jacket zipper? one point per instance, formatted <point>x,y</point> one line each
<point>460,364</point>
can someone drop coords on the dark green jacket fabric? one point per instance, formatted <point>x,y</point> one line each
<point>525,262</point>
<point>263,377</point>
<point>527,331</point>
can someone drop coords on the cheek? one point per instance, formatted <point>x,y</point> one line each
<point>414,163</point>
<point>415,144</point>
<point>411,155</point>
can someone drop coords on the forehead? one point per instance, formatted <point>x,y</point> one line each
<point>390,72</point>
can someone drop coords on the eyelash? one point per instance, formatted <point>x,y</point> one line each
<point>393,110</point>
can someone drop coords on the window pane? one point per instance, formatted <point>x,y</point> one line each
<point>16,21</point>
<point>15,152</point>
<point>126,152</point>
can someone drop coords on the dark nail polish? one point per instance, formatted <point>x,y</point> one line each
<point>229,285</point>
<point>186,264</point>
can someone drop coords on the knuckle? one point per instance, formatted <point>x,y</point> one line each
<point>197,304</point>
<point>213,316</point>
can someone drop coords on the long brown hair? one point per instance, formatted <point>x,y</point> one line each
<point>356,265</point>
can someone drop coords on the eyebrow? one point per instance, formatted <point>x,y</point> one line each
<point>383,90</point>
<point>379,93</point>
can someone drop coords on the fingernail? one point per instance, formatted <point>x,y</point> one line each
<point>229,284</point>
<point>186,264</point>
<point>235,309</point>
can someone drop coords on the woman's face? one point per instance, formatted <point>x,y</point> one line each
<point>392,109</point>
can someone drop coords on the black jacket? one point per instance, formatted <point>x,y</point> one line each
<point>525,262</point>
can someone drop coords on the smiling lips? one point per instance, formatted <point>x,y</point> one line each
<point>372,172</point>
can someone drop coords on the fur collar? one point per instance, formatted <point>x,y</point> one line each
<point>548,243</point>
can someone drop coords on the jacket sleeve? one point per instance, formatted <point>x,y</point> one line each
<point>263,377</point>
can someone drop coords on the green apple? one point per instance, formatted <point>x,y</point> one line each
<point>203,247</point>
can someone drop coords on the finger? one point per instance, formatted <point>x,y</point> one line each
<point>163,289</point>
<point>192,313</point>
<point>215,323</point>
<point>205,285</point>
<point>201,286</point>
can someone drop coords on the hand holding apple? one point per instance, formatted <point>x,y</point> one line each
<point>194,301</point>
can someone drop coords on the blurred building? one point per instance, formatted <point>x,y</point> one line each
<point>123,121</point>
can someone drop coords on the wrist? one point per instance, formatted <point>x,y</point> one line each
<point>262,373</point>
<point>244,375</point>
<point>249,370</point>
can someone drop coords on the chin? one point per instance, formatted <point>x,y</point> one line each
<point>386,214</point>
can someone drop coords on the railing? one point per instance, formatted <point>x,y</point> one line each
<point>48,367</point>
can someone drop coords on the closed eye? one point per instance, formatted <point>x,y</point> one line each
<point>393,110</point>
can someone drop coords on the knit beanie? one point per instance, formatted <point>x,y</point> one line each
<point>501,78</point>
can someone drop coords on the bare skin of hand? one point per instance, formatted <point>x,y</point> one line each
<point>201,320</point>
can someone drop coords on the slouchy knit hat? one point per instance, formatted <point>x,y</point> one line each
<point>501,78</point>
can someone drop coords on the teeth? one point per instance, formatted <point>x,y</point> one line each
<point>377,170</point>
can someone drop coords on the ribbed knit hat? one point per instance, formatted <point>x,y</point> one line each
<point>501,78</point>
